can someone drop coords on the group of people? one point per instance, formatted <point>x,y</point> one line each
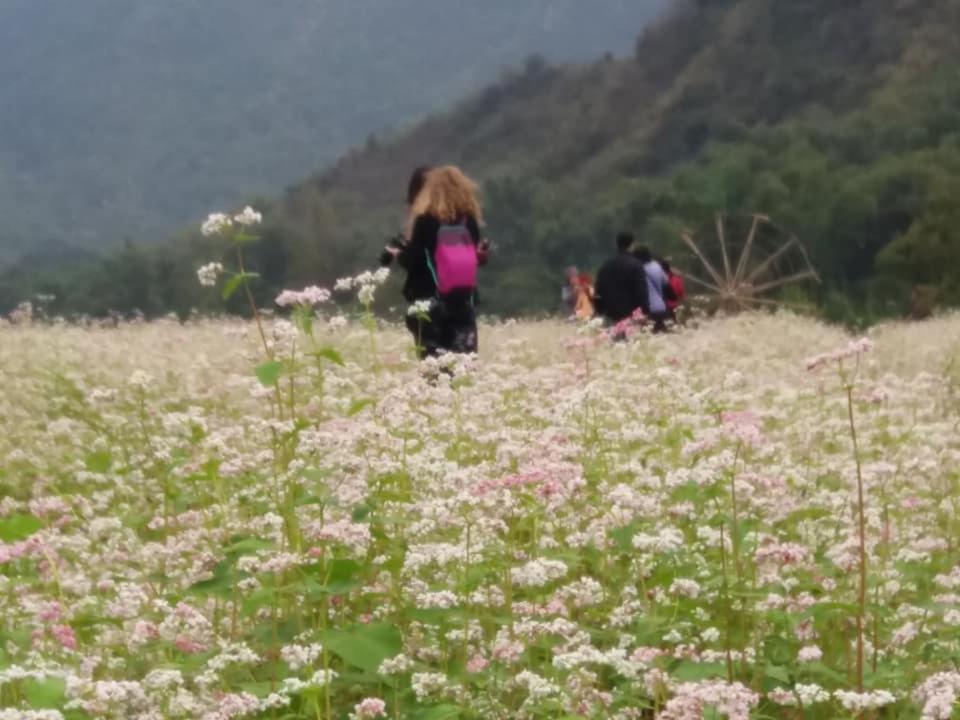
<point>442,247</point>
<point>631,284</point>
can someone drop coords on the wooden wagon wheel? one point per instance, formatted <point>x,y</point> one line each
<point>747,268</point>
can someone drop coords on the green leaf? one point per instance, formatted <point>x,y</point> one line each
<point>269,372</point>
<point>221,584</point>
<point>45,694</point>
<point>357,406</point>
<point>689,671</point>
<point>230,287</point>
<point>364,646</point>
<point>18,527</point>
<point>439,712</point>
<point>245,238</point>
<point>98,462</point>
<point>329,353</point>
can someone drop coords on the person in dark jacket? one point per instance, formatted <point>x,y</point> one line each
<point>621,286</point>
<point>438,199</point>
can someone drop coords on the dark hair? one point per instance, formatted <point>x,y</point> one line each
<point>643,254</point>
<point>624,241</point>
<point>665,265</point>
<point>417,180</point>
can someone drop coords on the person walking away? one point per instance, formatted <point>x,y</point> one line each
<point>657,289</point>
<point>442,251</point>
<point>678,290</point>
<point>584,309</point>
<point>621,287</point>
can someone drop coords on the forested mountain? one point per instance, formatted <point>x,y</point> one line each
<point>128,118</point>
<point>839,119</point>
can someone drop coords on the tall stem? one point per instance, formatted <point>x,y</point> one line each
<point>862,525</point>
<point>735,528</point>
<point>253,305</point>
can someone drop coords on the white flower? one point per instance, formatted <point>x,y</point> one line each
<point>421,308</point>
<point>365,294</point>
<point>426,684</point>
<point>215,224</point>
<point>308,297</point>
<point>858,702</point>
<point>810,653</point>
<point>208,274</point>
<point>248,217</point>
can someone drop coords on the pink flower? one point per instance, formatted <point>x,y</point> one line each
<point>50,612</point>
<point>370,708</point>
<point>65,635</point>
<point>477,663</point>
<point>188,645</point>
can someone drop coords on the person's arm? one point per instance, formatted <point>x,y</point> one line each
<point>412,255</point>
<point>642,299</point>
<point>483,245</point>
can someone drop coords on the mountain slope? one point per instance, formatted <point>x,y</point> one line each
<point>130,118</point>
<point>569,155</point>
<point>840,120</point>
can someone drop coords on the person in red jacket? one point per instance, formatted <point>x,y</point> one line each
<point>679,291</point>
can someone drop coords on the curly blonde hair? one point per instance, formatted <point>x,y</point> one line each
<point>448,195</point>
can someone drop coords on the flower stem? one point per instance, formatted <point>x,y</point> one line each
<point>861,522</point>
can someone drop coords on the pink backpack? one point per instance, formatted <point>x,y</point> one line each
<point>454,264</point>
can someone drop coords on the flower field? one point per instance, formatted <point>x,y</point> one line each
<point>758,518</point>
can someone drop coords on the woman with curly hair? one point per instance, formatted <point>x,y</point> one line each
<point>443,249</point>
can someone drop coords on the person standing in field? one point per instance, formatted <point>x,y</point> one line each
<point>441,252</point>
<point>584,305</point>
<point>678,290</point>
<point>658,289</point>
<point>621,287</point>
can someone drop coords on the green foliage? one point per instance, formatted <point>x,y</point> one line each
<point>364,646</point>
<point>837,120</point>
<point>18,527</point>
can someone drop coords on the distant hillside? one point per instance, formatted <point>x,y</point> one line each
<point>128,118</point>
<point>841,120</point>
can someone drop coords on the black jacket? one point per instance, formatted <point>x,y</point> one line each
<point>621,288</point>
<point>420,284</point>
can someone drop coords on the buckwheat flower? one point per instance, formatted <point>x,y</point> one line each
<point>537,687</point>
<point>428,684</point>
<point>64,635</point>
<point>938,694</point>
<point>248,217</point>
<point>308,297</point>
<point>477,663</point>
<point>322,677</point>
<point>343,284</point>
<point>300,656</point>
<point>710,635</point>
<point>859,702</point>
<point>369,708</point>
<point>397,665</point>
<point>337,322</point>
<point>208,274</point>
<point>538,573</point>
<point>366,294</point>
<point>421,308</point>
<point>215,224</point>
<point>810,653</point>
<point>685,587</point>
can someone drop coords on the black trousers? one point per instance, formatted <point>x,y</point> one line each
<point>450,327</point>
